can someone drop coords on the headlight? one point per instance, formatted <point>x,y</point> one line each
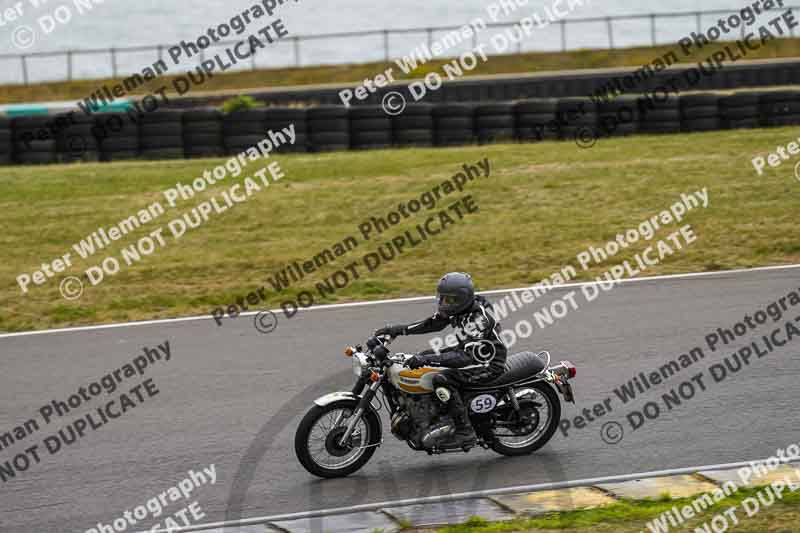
<point>359,364</point>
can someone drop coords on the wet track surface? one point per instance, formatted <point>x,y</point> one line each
<point>233,396</point>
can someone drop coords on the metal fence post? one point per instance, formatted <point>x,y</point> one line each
<point>296,51</point>
<point>563,35</point>
<point>430,37</point>
<point>653,28</point>
<point>24,69</point>
<point>69,65</point>
<point>160,53</point>
<point>610,29</point>
<point>699,22</point>
<point>386,45</point>
<point>113,63</point>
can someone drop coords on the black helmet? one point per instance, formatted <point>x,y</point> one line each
<point>455,293</point>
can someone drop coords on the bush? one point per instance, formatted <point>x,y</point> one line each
<point>240,103</point>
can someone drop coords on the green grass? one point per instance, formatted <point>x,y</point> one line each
<point>544,203</point>
<point>355,73</point>
<point>629,516</point>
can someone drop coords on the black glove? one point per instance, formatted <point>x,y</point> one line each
<point>392,331</point>
<point>416,361</point>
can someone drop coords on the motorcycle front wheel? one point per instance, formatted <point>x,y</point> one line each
<point>318,445</point>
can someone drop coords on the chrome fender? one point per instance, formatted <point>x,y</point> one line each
<point>328,399</point>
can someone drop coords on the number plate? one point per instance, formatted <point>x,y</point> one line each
<point>483,403</point>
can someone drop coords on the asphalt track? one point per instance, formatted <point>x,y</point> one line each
<point>232,396</point>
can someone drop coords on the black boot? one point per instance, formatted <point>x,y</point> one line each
<point>465,433</point>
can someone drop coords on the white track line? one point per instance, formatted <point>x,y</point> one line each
<point>464,496</point>
<point>396,300</point>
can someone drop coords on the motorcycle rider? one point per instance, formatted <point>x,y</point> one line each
<point>479,356</point>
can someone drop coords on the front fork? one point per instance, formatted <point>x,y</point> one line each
<point>365,401</point>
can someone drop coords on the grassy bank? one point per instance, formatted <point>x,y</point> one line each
<point>632,517</point>
<point>543,204</point>
<point>355,73</point>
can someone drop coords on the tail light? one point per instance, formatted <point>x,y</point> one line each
<point>565,370</point>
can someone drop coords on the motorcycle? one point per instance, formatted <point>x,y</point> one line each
<point>515,414</point>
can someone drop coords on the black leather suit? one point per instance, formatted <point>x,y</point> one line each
<point>480,354</point>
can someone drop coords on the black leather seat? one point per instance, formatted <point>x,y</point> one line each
<point>519,366</point>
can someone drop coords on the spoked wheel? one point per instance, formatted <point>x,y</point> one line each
<point>318,441</point>
<point>540,415</point>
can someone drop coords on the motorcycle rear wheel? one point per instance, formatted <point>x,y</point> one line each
<point>353,456</point>
<point>532,442</point>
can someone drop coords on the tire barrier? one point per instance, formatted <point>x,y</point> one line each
<point>659,117</point>
<point>243,129</point>
<point>453,124</point>
<point>740,110</point>
<point>414,126</point>
<point>328,128</point>
<point>117,137</point>
<point>618,117</point>
<point>202,133</point>
<point>5,142</point>
<point>279,118</point>
<point>370,127</point>
<point>32,142</point>
<point>502,87</point>
<point>576,115</point>
<point>780,108</point>
<point>700,112</point>
<point>495,123</point>
<point>536,119</point>
<point>176,134</point>
<point>161,135</point>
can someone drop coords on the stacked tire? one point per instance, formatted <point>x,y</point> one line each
<point>328,128</point>
<point>740,110</point>
<point>5,142</point>
<point>618,117</point>
<point>32,140</point>
<point>243,129</point>
<point>454,124</point>
<point>578,117</point>
<point>370,127</point>
<point>161,135</point>
<point>780,108</point>
<point>280,119</point>
<point>414,126</point>
<point>117,135</point>
<point>700,112</point>
<point>659,116</point>
<point>202,133</point>
<point>75,141</point>
<point>495,123</point>
<point>536,119</point>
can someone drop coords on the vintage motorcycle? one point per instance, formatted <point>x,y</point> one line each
<point>515,414</point>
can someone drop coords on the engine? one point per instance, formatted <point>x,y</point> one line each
<point>416,416</point>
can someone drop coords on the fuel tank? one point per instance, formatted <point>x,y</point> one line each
<point>418,381</point>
